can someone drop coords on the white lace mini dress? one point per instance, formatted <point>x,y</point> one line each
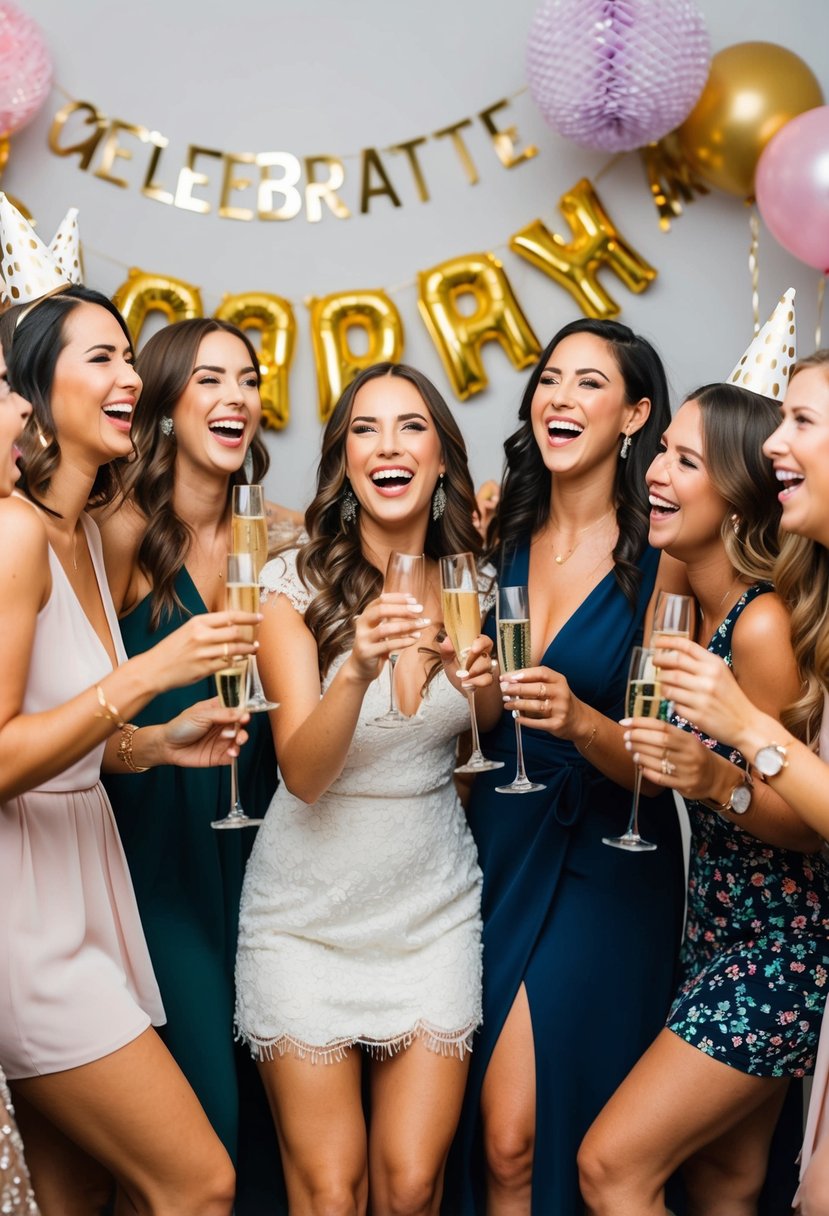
<point>360,916</point>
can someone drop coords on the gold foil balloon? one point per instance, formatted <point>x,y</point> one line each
<point>596,244</point>
<point>459,334</point>
<point>274,318</point>
<point>754,89</point>
<point>332,319</point>
<point>143,293</point>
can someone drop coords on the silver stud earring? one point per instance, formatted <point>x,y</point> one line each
<point>348,507</point>
<point>626,446</point>
<point>438,500</point>
<point>166,425</point>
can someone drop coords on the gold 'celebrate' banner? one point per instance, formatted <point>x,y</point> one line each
<point>269,185</point>
<point>458,336</point>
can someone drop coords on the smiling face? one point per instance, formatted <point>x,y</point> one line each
<point>799,451</point>
<point>217,415</point>
<point>95,385</point>
<point>392,451</point>
<point>579,408</point>
<point>687,511</point>
<point>14,412</point>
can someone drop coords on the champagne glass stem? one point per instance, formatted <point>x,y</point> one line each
<point>392,661</point>
<point>235,804</point>
<point>477,755</point>
<point>633,824</point>
<point>520,771</point>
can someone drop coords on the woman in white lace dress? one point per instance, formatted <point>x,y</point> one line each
<point>360,916</point>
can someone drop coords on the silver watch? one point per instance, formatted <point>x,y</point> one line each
<point>739,800</point>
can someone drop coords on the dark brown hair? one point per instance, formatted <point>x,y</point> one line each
<point>332,561</point>
<point>165,365</point>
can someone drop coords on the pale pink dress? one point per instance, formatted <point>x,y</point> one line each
<point>76,981</point>
<point>817,1120</point>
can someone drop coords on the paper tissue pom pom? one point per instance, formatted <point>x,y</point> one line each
<point>25,69</point>
<point>617,74</point>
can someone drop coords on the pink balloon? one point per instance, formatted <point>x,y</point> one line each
<point>792,187</point>
<point>25,68</point>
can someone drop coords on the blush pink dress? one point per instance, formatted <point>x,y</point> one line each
<point>817,1120</point>
<point>76,981</point>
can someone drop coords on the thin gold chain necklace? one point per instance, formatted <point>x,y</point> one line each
<point>561,558</point>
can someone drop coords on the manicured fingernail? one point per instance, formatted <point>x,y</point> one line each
<point>462,674</point>
<point>415,608</point>
<point>256,645</point>
<point>628,745</point>
<point>625,721</point>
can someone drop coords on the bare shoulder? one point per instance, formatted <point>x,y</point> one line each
<point>762,625</point>
<point>24,551</point>
<point>283,515</point>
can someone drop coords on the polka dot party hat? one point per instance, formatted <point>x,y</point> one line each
<point>766,365</point>
<point>28,270</point>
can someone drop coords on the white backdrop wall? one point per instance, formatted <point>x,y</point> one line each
<point>317,77</point>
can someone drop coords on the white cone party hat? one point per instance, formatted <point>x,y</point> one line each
<point>29,270</point>
<point>766,365</point>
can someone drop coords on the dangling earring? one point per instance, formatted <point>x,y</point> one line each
<point>626,445</point>
<point>348,507</point>
<point>735,524</point>
<point>41,438</point>
<point>438,500</point>
<point>247,467</point>
<point>166,425</point>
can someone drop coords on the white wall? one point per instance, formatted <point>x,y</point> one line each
<point>324,76</point>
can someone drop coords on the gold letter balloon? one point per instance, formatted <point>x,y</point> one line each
<point>144,293</point>
<point>332,319</point>
<point>274,318</point>
<point>458,334</point>
<point>754,89</point>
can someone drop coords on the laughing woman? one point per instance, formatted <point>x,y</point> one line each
<point>707,1094</point>
<point>165,549</point>
<point>360,923</point>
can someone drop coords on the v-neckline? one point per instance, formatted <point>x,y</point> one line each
<point>81,609</point>
<point>523,556</point>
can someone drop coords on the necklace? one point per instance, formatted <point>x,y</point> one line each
<point>561,558</point>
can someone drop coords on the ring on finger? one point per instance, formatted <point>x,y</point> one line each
<point>545,705</point>
<point>226,650</point>
<point>542,688</point>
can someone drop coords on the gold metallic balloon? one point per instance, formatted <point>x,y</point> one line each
<point>753,90</point>
<point>332,317</point>
<point>144,293</point>
<point>274,318</point>
<point>459,335</point>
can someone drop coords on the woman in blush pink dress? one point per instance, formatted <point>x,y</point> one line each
<point>98,1097</point>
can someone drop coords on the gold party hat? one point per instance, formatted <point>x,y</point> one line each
<point>766,365</point>
<point>28,270</point>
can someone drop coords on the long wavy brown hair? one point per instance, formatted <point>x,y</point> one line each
<point>332,562</point>
<point>801,577</point>
<point>33,338</point>
<point>165,365</point>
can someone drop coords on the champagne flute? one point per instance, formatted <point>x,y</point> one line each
<point>643,699</point>
<point>232,687</point>
<point>513,619</point>
<point>249,534</point>
<point>462,622</point>
<point>672,616</point>
<point>406,572</point>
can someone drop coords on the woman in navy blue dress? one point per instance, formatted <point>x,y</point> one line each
<point>580,940</point>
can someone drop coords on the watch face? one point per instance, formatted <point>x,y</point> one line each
<point>770,760</point>
<point>741,799</point>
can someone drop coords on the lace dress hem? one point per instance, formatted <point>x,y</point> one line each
<point>442,1042</point>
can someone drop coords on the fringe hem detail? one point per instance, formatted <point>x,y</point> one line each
<point>443,1042</point>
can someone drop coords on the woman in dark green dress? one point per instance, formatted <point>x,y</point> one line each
<point>165,547</point>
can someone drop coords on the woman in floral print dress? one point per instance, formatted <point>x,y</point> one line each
<point>754,963</point>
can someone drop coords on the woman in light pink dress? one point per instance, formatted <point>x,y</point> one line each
<point>704,691</point>
<point>98,1096</point>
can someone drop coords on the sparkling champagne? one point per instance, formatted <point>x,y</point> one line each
<point>230,684</point>
<point>668,634</point>
<point>461,618</point>
<point>513,644</point>
<point>249,534</point>
<point>644,698</point>
<point>244,597</point>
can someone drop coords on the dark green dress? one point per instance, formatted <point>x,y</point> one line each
<point>188,880</point>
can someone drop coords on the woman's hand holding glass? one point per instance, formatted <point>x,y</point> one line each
<point>674,758</point>
<point>386,626</point>
<point>203,735</point>
<point>702,689</point>
<point>543,700</point>
<point>200,648</point>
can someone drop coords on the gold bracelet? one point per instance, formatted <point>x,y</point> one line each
<point>125,748</point>
<point>593,734</point>
<point>108,711</point>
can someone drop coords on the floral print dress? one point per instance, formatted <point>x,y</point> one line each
<point>755,960</point>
